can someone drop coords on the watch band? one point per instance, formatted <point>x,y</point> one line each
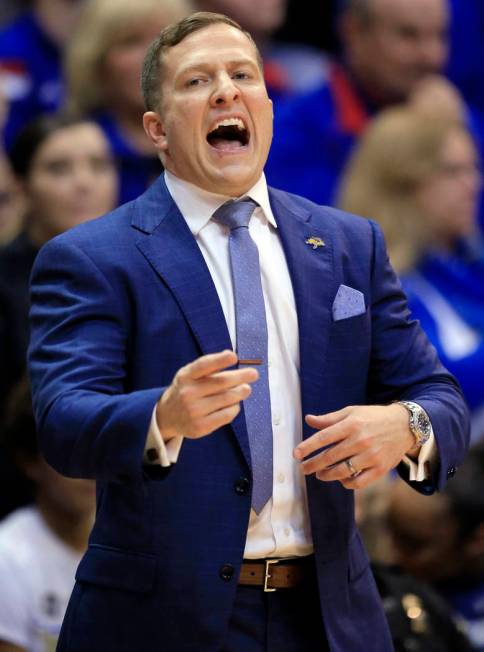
<point>418,421</point>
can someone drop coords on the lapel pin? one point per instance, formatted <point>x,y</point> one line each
<point>315,242</point>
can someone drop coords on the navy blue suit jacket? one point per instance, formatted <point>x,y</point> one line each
<point>118,306</point>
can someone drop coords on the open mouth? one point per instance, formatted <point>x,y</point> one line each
<point>229,135</point>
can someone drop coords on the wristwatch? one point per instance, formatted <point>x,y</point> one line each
<point>418,421</point>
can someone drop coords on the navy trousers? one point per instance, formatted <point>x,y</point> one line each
<point>287,620</point>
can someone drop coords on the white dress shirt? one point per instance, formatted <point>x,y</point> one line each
<point>282,528</point>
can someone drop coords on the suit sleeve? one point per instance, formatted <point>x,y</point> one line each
<point>88,425</point>
<point>405,365</point>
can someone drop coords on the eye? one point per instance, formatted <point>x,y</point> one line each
<point>101,163</point>
<point>241,75</point>
<point>58,167</point>
<point>196,81</point>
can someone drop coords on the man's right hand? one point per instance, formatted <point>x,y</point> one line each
<point>203,396</point>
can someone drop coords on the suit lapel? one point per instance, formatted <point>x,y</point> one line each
<point>312,274</point>
<point>170,248</point>
<point>172,251</point>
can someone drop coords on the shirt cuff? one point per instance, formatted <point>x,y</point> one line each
<point>157,451</point>
<point>419,469</point>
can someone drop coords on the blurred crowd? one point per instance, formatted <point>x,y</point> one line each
<point>379,110</point>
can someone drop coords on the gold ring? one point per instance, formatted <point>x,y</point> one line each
<point>354,473</point>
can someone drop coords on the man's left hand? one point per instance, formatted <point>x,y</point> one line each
<point>374,438</point>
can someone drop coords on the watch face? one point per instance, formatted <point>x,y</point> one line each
<point>423,424</point>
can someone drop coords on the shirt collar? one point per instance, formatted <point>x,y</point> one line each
<point>197,205</point>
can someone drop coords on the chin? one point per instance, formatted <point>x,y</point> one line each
<point>239,179</point>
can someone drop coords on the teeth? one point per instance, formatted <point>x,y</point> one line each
<point>230,122</point>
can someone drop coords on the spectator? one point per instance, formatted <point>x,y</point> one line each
<point>40,545</point>
<point>388,47</point>
<point>288,68</point>
<point>11,204</point>
<point>30,60</point>
<point>103,71</point>
<point>68,176</point>
<point>419,177</point>
<point>440,539</point>
<point>11,209</point>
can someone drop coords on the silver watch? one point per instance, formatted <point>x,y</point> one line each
<point>418,421</point>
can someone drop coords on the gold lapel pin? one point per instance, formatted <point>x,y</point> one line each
<point>315,242</point>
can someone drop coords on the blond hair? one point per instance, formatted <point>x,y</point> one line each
<point>398,152</point>
<point>103,24</point>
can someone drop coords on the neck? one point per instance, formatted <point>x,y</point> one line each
<point>370,93</point>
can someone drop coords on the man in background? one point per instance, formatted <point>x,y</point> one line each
<point>389,48</point>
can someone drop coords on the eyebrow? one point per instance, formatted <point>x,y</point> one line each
<point>206,65</point>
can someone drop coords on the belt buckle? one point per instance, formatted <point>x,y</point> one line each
<point>267,576</point>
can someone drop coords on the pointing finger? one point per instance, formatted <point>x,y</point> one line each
<point>209,364</point>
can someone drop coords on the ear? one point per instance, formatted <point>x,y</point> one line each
<point>155,131</point>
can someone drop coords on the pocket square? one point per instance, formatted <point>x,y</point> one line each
<point>348,302</point>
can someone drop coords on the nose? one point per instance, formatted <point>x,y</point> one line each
<point>84,177</point>
<point>225,91</point>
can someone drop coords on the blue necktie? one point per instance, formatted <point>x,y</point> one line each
<point>251,329</point>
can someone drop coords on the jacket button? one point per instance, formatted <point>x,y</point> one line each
<point>227,572</point>
<point>451,471</point>
<point>242,486</point>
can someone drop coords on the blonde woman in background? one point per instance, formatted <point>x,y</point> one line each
<point>103,68</point>
<point>418,175</point>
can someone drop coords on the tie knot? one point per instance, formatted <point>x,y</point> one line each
<point>235,214</point>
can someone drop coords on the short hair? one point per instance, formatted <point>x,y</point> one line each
<point>152,74</point>
<point>102,24</point>
<point>34,134</point>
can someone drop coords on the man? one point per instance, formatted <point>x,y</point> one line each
<point>388,48</point>
<point>443,543</point>
<point>134,318</point>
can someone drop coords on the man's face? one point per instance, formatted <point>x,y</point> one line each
<point>403,41</point>
<point>214,126</point>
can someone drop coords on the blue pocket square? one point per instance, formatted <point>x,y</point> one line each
<point>348,302</point>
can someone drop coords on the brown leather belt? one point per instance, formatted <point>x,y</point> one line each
<point>273,574</point>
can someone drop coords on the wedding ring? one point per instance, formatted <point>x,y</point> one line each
<point>354,473</point>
